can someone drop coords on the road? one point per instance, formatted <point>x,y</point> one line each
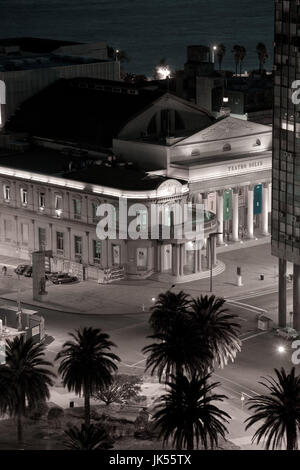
<point>259,355</point>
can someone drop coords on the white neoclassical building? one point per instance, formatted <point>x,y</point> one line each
<point>170,152</point>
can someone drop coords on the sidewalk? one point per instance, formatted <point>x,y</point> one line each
<point>128,297</point>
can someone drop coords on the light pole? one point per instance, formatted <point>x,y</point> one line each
<point>214,48</point>
<point>210,238</point>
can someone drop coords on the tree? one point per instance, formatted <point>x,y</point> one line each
<point>87,364</point>
<point>243,53</point>
<point>87,438</point>
<point>30,377</point>
<point>178,350</point>
<point>221,52</point>
<point>187,416</point>
<point>279,411</point>
<point>218,328</point>
<point>168,306</point>
<point>122,389</point>
<point>236,50</point>
<point>262,55</point>
<point>7,394</point>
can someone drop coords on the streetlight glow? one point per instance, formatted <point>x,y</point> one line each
<point>163,72</point>
<point>281,349</point>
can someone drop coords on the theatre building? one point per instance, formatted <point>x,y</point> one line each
<point>170,151</point>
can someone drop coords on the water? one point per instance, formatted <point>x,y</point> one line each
<point>147,30</point>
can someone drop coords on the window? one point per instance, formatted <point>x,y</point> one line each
<point>6,192</point>
<point>78,247</point>
<point>24,196</point>
<point>97,251</point>
<point>258,142</point>
<point>77,208</point>
<point>60,243</point>
<point>7,230</point>
<point>42,239</point>
<point>42,201</point>
<point>25,234</point>
<point>94,211</point>
<point>226,148</point>
<point>58,205</point>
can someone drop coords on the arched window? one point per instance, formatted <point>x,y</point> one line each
<point>258,142</point>
<point>226,148</point>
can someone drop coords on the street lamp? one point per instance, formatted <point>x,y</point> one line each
<point>214,48</point>
<point>210,238</point>
<point>281,349</point>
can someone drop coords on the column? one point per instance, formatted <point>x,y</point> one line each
<point>235,214</point>
<point>181,272</point>
<point>265,209</point>
<point>157,258</point>
<point>220,216</point>
<point>199,257</point>
<point>296,297</point>
<point>250,212</point>
<point>282,293</point>
<point>195,257</point>
<point>205,200</point>
<point>162,258</point>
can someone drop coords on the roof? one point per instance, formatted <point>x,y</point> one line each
<point>84,169</point>
<point>81,110</point>
<point>39,45</point>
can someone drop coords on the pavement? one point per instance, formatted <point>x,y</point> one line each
<point>122,310</point>
<point>128,297</point>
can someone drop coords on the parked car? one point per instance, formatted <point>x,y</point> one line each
<point>287,333</point>
<point>28,271</point>
<point>21,268</point>
<point>63,278</point>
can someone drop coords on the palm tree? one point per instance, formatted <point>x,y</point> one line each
<point>7,394</point>
<point>218,328</point>
<point>87,438</point>
<point>87,364</point>
<point>221,52</point>
<point>262,55</point>
<point>178,350</point>
<point>236,50</point>
<point>168,306</point>
<point>187,416</point>
<point>29,378</point>
<point>279,411</point>
<point>243,53</point>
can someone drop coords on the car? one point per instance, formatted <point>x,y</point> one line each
<point>28,271</point>
<point>287,333</point>
<point>63,278</point>
<point>21,268</point>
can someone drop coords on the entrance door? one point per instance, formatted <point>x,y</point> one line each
<point>116,257</point>
<point>141,258</point>
<point>167,258</point>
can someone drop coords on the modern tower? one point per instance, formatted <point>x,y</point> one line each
<point>286,153</point>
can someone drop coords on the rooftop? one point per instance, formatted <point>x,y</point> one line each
<point>82,110</point>
<point>96,171</point>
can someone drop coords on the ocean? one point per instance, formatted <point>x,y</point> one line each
<point>147,30</point>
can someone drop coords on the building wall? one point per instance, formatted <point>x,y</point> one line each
<point>23,84</point>
<point>286,140</point>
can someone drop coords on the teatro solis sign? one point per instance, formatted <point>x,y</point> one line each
<point>152,222</point>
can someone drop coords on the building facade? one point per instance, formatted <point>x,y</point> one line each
<point>286,153</point>
<point>58,212</point>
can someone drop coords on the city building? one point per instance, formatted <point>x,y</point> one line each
<point>28,65</point>
<point>286,154</point>
<point>55,208</point>
<point>161,150</point>
<point>249,95</point>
